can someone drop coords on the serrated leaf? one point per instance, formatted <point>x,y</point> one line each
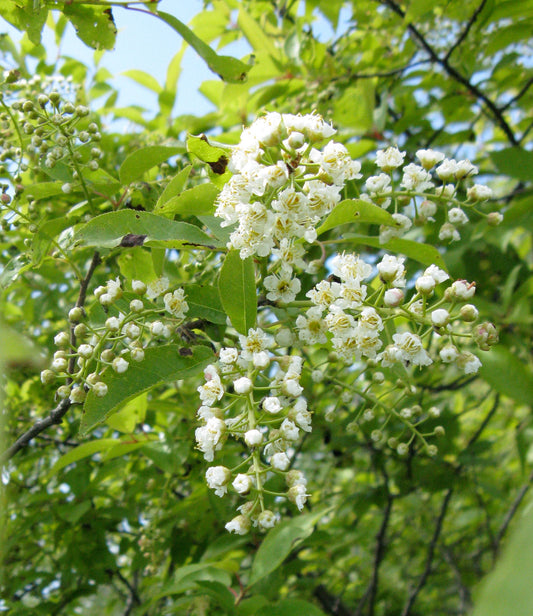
<point>229,69</point>
<point>26,17</point>
<point>197,200</point>
<point>109,230</point>
<point>355,210</point>
<point>174,187</point>
<point>140,161</point>
<point>515,162</point>
<point>505,373</point>
<point>236,286</point>
<point>44,236</point>
<point>43,190</point>
<point>81,451</point>
<point>160,364</point>
<point>422,253</point>
<point>216,157</point>
<point>95,26</point>
<point>280,541</point>
<point>204,303</point>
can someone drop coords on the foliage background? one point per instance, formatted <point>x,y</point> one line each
<point>125,525</point>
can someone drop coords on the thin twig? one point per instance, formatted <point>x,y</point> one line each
<point>512,511</point>
<point>429,558</point>
<point>521,93</point>
<point>466,31</point>
<point>56,415</point>
<point>454,73</point>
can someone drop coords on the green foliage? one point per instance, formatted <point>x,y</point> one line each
<point>127,281</point>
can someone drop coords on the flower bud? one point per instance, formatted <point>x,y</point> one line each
<point>137,286</point>
<point>266,519</point>
<point>485,335</point>
<point>242,483</point>
<point>63,392</point>
<point>393,297</point>
<point>119,365</point>
<point>440,317</point>
<point>137,354</point>
<point>85,351</point>
<point>425,285</point>
<point>107,355</point>
<point>77,395</point>
<point>75,314</point>
<point>494,219</point>
<point>468,313</point>
<point>253,438</point>
<point>47,377</point>
<point>59,365</point>
<point>243,385</point>
<point>62,339</point>
<point>136,305</point>
<point>99,389</point>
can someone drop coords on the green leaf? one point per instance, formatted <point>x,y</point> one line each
<point>44,236</point>
<point>14,346</point>
<point>290,607</point>
<point>81,451</point>
<point>507,591</point>
<point>174,187</point>
<point>220,594</point>
<point>227,68</point>
<point>95,26</point>
<point>186,577</point>
<point>507,374</point>
<point>280,541</point>
<point>26,17</point>
<point>160,364</point>
<point>109,230</point>
<point>197,200</point>
<point>355,210</point>
<point>131,414</point>
<point>215,156</point>
<point>43,190</point>
<point>422,253</point>
<point>204,303</point>
<point>256,35</point>
<point>236,287</point>
<point>144,79</point>
<point>515,162</point>
<point>138,162</point>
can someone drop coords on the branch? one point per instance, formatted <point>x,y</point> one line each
<point>514,508</point>
<point>526,87</point>
<point>466,31</point>
<point>454,73</point>
<point>379,553</point>
<point>56,415</point>
<point>429,558</point>
<point>330,603</point>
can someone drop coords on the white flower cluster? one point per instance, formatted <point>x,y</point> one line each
<point>86,353</point>
<point>343,315</point>
<point>255,397</point>
<point>281,188</point>
<point>418,191</point>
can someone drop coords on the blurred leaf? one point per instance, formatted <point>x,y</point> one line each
<point>80,452</point>
<point>160,365</point>
<point>236,286</point>
<point>507,591</point>
<point>422,253</point>
<point>504,372</point>
<point>515,162</point>
<point>290,607</point>
<point>45,235</point>
<point>111,229</point>
<point>227,68</point>
<point>14,346</point>
<point>139,161</point>
<point>280,541</point>
<point>131,414</point>
<point>353,211</point>
<point>143,79</point>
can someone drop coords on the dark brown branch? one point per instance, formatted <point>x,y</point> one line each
<point>526,87</point>
<point>330,603</point>
<point>429,558</point>
<point>454,73</point>
<point>512,511</point>
<point>466,31</point>
<point>56,415</point>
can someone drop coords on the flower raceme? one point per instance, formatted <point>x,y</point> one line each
<point>288,174</point>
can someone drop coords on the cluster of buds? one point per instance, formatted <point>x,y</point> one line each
<point>254,396</point>
<point>89,351</point>
<point>417,192</point>
<point>59,131</point>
